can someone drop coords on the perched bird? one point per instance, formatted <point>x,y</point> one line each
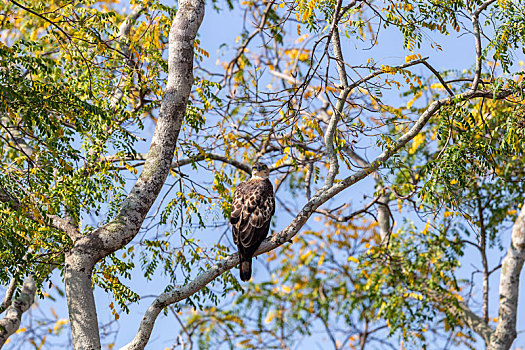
<point>252,210</point>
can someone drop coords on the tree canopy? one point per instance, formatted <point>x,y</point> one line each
<point>124,131</point>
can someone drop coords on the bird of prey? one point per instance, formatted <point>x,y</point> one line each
<point>252,210</point>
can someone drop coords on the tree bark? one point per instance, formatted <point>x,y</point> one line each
<point>505,332</point>
<point>90,249</point>
<point>80,300</point>
<point>10,323</point>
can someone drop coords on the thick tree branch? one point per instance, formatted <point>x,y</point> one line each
<point>10,323</point>
<point>463,312</point>
<point>320,197</point>
<point>475,322</point>
<point>505,333</point>
<point>88,250</point>
<point>8,295</point>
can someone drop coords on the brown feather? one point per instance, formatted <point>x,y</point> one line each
<point>253,206</point>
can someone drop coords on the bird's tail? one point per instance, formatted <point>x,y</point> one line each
<point>246,270</point>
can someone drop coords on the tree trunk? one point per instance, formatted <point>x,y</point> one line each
<point>505,333</point>
<point>90,249</point>
<point>81,302</point>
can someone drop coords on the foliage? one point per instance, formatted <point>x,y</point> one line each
<point>78,94</point>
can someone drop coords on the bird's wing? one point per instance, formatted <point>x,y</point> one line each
<point>257,212</point>
<point>238,202</point>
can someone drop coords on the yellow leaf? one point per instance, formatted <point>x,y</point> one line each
<point>418,140</point>
<point>427,226</point>
<point>305,255</point>
<point>59,324</point>
<point>351,258</point>
<point>269,317</point>
<point>321,260</point>
<point>414,99</point>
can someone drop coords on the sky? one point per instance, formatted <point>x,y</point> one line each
<point>219,28</point>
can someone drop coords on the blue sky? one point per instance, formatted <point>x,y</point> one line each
<point>224,27</point>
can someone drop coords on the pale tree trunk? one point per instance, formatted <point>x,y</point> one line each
<point>80,300</point>
<point>90,249</point>
<point>505,332</point>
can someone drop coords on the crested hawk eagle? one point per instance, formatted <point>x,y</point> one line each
<point>252,210</point>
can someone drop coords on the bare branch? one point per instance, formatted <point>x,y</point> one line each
<point>477,38</point>
<point>440,78</point>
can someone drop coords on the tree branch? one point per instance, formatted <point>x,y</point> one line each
<point>338,110</point>
<point>8,295</point>
<point>477,38</point>
<point>271,243</point>
<point>10,323</point>
<point>383,210</point>
<point>440,78</point>
<point>56,221</point>
<point>88,250</point>
<point>349,216</point>
<point>124,31</point>
<point>260,27</point>
<point>475,322</point>
<point>512,265</point>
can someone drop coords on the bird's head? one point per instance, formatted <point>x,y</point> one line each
<point>260,170</point>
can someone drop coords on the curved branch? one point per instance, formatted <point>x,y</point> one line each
<point>320,197</point>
